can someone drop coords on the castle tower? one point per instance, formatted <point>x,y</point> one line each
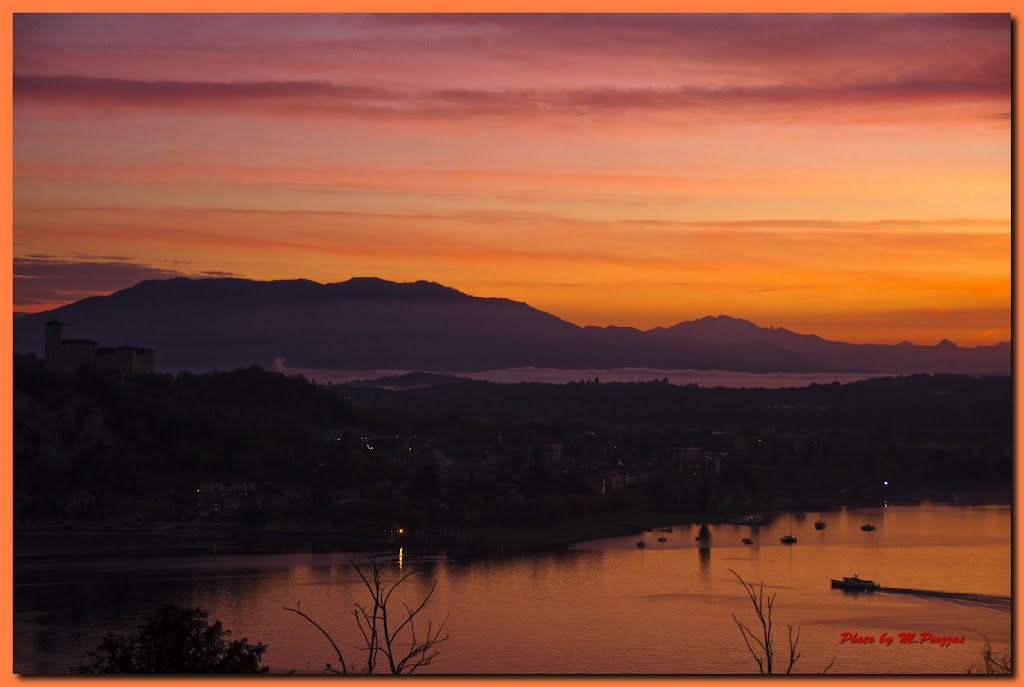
<point>54,339</point>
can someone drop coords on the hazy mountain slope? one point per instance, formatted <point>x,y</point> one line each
<point>369,323</point>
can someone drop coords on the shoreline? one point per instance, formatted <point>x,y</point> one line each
<point>99,539</point>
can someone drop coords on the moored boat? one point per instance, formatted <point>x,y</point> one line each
<point>788,539</point>
<point>868,528</point>
<point>819,525</point>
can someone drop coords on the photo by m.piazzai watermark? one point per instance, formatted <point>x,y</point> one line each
<point>886,639</point>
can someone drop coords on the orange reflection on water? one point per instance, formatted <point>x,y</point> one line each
<point>606,607</point>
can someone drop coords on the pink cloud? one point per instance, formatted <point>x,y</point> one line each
<point>296,98</point>
<point>528,66</point>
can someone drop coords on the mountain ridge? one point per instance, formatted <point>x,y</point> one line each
<point>373,323</point>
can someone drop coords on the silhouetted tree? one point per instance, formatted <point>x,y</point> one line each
<point>763,646</point>
<point>385,648</point>
<point>175,641</point>
<point>991,662</point>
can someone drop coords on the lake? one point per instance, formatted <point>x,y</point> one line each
<point>548,375</point>
<point>603,607</point>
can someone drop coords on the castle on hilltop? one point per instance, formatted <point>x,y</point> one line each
<point>67,355</point>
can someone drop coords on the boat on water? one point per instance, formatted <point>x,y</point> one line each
<point>819,525</point>
<point>641,544</point>
<point>704,535</point>
<point>855,584</point>
<point>788,539</point>
<point>868,528</point>
<point>748,540</point>
<point>666,529</point>
<point>662,539</point>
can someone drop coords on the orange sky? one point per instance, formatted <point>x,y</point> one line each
<point>843,175</point>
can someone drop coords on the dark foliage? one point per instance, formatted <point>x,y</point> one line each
<point>175,641</point>
<point>465,461</point>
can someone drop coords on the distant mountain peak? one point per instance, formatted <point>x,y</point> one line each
<point>724,319</point>
<point>236,287</point>
<point>716,326</point>
<point>374,323</point>
<point>372,287</point>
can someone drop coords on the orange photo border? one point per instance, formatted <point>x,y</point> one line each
<point>301,6</point>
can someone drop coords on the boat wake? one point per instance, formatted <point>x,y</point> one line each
<point>993,601</point>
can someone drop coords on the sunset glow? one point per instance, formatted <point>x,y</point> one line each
<point>842,175</point>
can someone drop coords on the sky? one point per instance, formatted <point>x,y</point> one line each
<point>842,175</point>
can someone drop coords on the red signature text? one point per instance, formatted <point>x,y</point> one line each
<point>886,639</point>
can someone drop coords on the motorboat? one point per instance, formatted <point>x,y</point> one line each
<point>748,540</point>
<point>662,539</point>
<point>868,528</point>
<point>819,525</point>
<point>855,584</point>
<point>788,539</point>
<point>641,544</point>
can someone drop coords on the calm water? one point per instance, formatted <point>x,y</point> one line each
<point>604,607</point>
<point>546,375</point>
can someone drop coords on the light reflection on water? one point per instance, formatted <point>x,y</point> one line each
<point>604,607</point>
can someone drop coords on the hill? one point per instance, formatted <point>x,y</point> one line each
<point>369,323</point>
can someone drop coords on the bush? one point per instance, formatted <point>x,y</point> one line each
<point>174,640</point>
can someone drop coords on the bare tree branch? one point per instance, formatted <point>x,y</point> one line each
<point>744,632</point>
<point>413,614</point>
<point>375,625</point>
<point>298,610</point>
<point>992,663</point>
<point>764,653</point>
<point>369,641</point>
<point>793,653</point>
